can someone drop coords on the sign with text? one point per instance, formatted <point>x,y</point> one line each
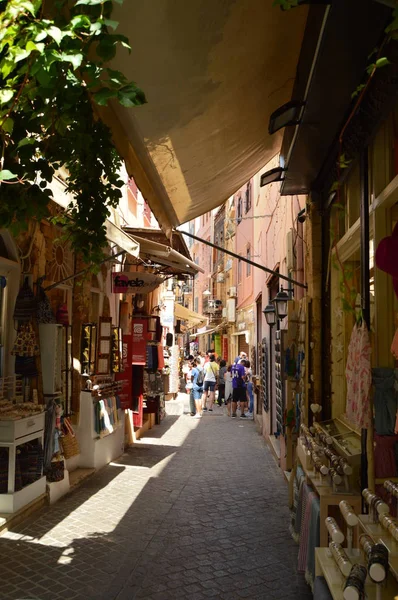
<point>132,283</point>
<point>126,374</point>
<point>139,332</point>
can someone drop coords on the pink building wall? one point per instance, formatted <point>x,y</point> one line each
<point>277,216</point>
<point>244,274</point>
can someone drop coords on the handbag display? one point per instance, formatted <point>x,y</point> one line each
<point>69,443</point>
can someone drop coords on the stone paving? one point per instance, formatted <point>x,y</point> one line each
<point>197,509</point>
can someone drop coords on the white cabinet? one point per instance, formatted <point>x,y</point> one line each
<point>14,434</point>
<point>51,336</point>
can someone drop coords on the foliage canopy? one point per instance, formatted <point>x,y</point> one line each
<point>53,70</point>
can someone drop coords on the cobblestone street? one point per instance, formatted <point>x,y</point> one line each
<point>197,509</point>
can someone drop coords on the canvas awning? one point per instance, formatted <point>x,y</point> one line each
<point>193,318</point>
<point>164,255</point>
<point>213,72</point>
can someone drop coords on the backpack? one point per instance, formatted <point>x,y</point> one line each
<point>200,378</point>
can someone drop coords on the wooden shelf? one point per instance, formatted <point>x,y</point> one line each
<point>380,536</point>
<point>325,566</point>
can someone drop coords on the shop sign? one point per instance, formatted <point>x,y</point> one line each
<point>126,374</point>
<point>139,334</point>
<point>132,283</point>
<point>225,347</point>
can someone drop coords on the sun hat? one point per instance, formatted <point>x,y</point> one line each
<point>387,256</point>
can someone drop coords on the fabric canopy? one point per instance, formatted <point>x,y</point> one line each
<point>212,72</point>
<point>194,319</point>
<point>164,255</point>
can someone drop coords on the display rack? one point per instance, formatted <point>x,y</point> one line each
<point>14,433</point>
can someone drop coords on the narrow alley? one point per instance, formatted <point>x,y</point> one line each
<point>197,509</point>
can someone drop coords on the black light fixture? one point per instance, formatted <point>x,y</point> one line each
<point>288,114</point>
<point>272,176</point>
<point>270,314</point>
<point>280,301</point>
<point>288,4</point>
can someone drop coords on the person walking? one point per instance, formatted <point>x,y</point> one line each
<point>249,386</point>
<point>189,389</point>
<point>211,375</point>
<point>238,389</point>
<point>221,382</point>
<point>197,378</point>
<point>228,388</point>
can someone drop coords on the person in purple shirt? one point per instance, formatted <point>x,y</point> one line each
<point>239,388</point>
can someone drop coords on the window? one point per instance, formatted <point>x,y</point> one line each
<point>239,215</point>
<point>196,304</point>
<point>248,198</point>
<point>248,266</point>
<point>239,271</point>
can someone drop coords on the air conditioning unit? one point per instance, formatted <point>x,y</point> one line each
<point>224,313</point>
<point>232,292</point>
<point>290,258</point>
<point>231,310</point>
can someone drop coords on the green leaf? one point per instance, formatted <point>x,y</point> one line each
<point>6,94</point>
<point>26,142</point>
<point>90,2</point>
<point>110,23</point>
<point>55,33</point>
<point>8,125</point>
<point>6,175</point>
<point>104,95</point>
<point>75,59</point>
<point>382,62</point>
<point>80,21</point>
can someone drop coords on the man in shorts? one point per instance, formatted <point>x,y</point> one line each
<point>211,369</point>
<point>239,389</point>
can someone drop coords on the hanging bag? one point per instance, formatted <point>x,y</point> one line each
<point>69,443</point>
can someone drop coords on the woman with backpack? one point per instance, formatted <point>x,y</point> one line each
<point>197,378</point>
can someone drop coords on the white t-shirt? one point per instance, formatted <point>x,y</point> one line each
<point>211,371</point>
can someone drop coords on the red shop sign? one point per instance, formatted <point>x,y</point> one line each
<point>225,348</point>
<point>139,332</point>
<point>126,375</point>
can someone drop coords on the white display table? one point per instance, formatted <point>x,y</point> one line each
<point>95,451</point>
<point>12,435</point>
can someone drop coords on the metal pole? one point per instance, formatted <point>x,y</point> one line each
<point>365,291</point>
<point>246,260</point>
<point>54,285</point>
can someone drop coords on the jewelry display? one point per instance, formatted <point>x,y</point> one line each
<point>354,588</point>
<point>348,513</point>
<point>334,530</point>
<point>341,558</point>
<point>377,557</point>
<point>376,505</point>
<point>389,525</point>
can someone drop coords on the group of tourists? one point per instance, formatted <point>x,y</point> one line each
<point>207,375</point>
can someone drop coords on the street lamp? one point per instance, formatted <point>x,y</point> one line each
<point>270,314</point>
<point>207,292</point>
<point>280,301</point>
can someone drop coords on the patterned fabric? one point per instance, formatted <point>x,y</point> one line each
<point>385,400</point>
<point>359,377</point>
<point>44,311</point>
<point>306,544</point>
<point>25,304</point>
<point>26,343</point>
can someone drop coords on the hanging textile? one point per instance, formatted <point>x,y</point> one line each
<point>26,343</point>
<point>44,311</point>
<point>25,304</point>
<point>359,377</point>
<point>385,400</point>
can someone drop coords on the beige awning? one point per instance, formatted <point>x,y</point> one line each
<point>213,72</point>
<point>117,236</point>
<point>167,256</point>
<point>193,319</point>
